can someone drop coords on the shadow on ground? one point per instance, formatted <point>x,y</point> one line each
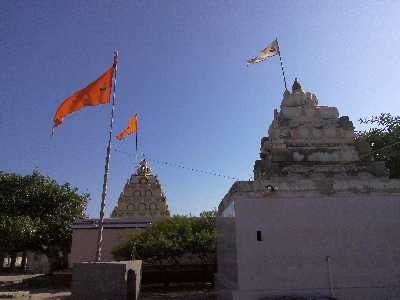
<point>31,287</point>
<point>50,287</point>
<point>190,291</point>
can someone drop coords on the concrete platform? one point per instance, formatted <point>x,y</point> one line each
<point>106,280</point>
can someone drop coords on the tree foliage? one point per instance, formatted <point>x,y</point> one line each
<point>384,139</point>
<point>36,213</point>
<point>172,240</point>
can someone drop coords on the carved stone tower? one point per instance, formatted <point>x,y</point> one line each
<point>318,205</point>
<point>306,139</point>
<point>142,196</point>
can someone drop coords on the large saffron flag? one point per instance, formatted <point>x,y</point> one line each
<point>271,50</point>
<point>96,93</point>
<point>132,128</point>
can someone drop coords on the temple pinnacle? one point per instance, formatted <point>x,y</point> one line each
<point>296,85</point>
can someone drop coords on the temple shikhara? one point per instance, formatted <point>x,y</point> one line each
<point>306,139</point>
<point>320,218</point>
<point>142,196</point>
<point>140,204</point>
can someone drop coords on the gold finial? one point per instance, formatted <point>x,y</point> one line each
<point>296,85</point>
<point>143,169</point>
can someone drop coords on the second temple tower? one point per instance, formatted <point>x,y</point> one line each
<point>142,196</point>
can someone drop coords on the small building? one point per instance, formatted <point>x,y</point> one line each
<point>141,203</point>
<point>320,218</point>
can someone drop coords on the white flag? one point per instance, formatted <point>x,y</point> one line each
<point>269,51</point>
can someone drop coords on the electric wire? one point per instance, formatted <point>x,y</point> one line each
<point>180,166</point>
<point>388,146</point>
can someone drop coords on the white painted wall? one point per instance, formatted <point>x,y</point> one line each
<point>359,232</point>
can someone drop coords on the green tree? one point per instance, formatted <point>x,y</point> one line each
<point>384,139</point>
<point>36,213</point>
<point>171,239</point>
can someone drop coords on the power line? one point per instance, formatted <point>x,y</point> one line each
<point>388,146</point>
<point>211,173</point>
<point>180,166</point>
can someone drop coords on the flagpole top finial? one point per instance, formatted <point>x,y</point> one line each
<point>115,56</point>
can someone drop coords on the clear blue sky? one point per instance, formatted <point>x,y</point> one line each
<point>182,69</point>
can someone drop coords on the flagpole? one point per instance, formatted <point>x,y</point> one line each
<point>106,165</point>
<point>137,131</point>
<point>280,59</point>
<point>136,140</point>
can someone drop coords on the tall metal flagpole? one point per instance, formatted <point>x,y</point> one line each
<point>280,59</point>
<point>137,131</point>
<point>136,140</point>
<point>107,163</point>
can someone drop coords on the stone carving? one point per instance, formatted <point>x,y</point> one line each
<point>142,196</point>
<point>307,139</point>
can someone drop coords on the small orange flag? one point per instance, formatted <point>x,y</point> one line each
<point>132,128</point>
<point>96,93</point>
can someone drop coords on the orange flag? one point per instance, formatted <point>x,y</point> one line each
<point>96,93</point>
<point>132,128</point>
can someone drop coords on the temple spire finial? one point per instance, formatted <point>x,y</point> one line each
<point>296,85</point>
<point>143,169</point>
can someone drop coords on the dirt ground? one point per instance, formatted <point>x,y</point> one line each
<point>12,287</point>
<point>39,294</point>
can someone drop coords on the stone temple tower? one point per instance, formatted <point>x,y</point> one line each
<point>142,196</point>
<point>306,139</point>
<point>320,218</point>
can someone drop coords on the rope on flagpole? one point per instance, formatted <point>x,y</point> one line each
<point>106,165</point>
<point>280,59</point>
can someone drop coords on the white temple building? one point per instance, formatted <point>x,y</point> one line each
<point>320,219</point>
